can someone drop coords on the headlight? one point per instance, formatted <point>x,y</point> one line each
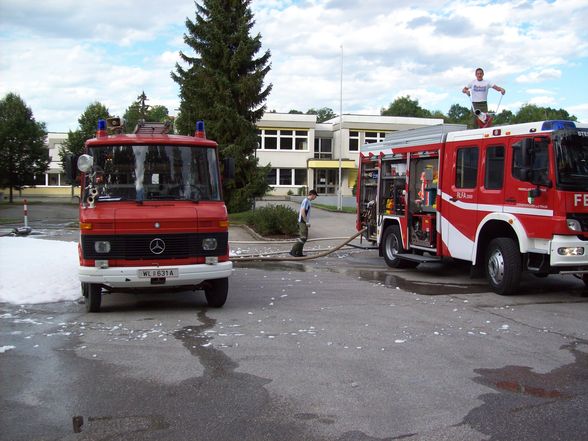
<point>102,246</point>
<point>574,224</point>
<point>570,251</point>
<point>209,244</point>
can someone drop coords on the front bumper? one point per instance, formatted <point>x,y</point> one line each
<point>559,261</point>
<point>128,277</point>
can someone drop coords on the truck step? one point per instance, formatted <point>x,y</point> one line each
<point>419,258</point>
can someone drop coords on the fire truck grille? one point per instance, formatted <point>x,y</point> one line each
<point>149,246</point>
<point>582,218</point>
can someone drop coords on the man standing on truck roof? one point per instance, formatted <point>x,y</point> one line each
<point>303,224</point>
<point>478,91</point>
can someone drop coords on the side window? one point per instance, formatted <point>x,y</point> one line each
<point>467,167</point>
<point>494,173</point>
<point>538,168</point>
<point>517,160</point>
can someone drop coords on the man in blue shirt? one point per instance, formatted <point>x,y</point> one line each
<point>303,224</point>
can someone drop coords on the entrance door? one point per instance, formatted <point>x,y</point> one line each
<point>325,181</point>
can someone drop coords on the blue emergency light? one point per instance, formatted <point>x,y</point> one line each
<point>200,129</point>
<point>101,124</point>
<point>558,125</point>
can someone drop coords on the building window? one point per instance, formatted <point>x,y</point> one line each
<point>353,141</point>
<point>272,177</point>
<point>283,139</point>
<point>287,176</point>
<point>372,137</point>
<point>300,176</point>
<point>357,138</point>
<point>323,148</point>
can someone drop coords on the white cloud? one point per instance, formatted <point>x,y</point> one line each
<point>110,51</point>
<point>539,76</point>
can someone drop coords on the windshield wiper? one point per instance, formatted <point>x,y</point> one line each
<point>162,197</point>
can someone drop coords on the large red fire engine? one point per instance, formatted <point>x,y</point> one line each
<point>507,199</point>
<point>152,214</point>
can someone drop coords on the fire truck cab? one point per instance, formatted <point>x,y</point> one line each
<point>152,214</point>
<point>507,199</point>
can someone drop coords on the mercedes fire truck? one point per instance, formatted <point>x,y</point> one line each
<point>152,214</point>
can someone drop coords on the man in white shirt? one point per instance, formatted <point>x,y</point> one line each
<point>478,90</point>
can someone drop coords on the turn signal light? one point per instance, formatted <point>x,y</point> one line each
<point>85,226</point>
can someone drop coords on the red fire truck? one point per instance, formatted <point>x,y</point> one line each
<point>152,214</point>
<point>507,199</point>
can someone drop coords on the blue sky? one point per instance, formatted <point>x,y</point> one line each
<point>61,56</point>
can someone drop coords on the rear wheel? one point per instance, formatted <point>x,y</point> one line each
<point>94,298</point>
<point>391,246</point>
<point>216,292</point>
<point>503,266</point>
<point>585,279</point>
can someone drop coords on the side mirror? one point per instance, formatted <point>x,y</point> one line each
<point>229,168</point>
<point>85,163</point>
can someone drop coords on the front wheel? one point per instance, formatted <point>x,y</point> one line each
<point>216,292</point>
<point>392,245</point>
<point>503,266</point>
<point>94,298</point>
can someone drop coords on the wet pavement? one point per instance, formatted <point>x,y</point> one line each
<point>339,348</point>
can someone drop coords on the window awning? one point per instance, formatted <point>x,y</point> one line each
<point>331,163</point>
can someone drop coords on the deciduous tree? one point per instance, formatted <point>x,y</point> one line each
<point>23,154</point>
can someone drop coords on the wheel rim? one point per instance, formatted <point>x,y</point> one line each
<point>392,246</point>
<point>496,267</point>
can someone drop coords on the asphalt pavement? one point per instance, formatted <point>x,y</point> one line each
<point>340,348</point>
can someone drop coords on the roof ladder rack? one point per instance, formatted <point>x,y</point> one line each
<point>152,128</point>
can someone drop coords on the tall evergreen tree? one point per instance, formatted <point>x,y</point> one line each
<point>223,84</point>
<point>22,144</point>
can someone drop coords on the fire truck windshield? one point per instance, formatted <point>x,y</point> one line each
<point>154,172</point>
<point>571,152</point>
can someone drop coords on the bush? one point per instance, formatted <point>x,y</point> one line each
<point>274,220</point>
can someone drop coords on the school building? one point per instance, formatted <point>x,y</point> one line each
<point>302,153</point>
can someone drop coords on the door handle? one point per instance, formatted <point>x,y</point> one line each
<point>510,200</point>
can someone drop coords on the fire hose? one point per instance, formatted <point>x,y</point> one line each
<point>265,257</point>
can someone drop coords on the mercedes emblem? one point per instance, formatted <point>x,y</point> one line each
<point>157,246</point>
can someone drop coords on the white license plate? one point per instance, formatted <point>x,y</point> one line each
<point>169,273</point>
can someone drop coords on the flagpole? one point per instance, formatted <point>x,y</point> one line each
<point>340,198</point>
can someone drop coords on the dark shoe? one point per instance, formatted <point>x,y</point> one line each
<point>292,254</point>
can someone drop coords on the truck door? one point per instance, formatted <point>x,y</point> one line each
<point>534,211</point>
<point>460,200</point>
<point>491,191</point>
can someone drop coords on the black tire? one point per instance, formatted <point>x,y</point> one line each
<point>216,292</point>
<point>85,289</point>
<point>391,246</point>
<point>94,298</point>
<point>503,266</point>
<point>585,279</point>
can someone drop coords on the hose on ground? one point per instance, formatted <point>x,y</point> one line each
<point>295,259</point>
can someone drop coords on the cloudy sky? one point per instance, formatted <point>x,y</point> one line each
<point>62,55</point>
